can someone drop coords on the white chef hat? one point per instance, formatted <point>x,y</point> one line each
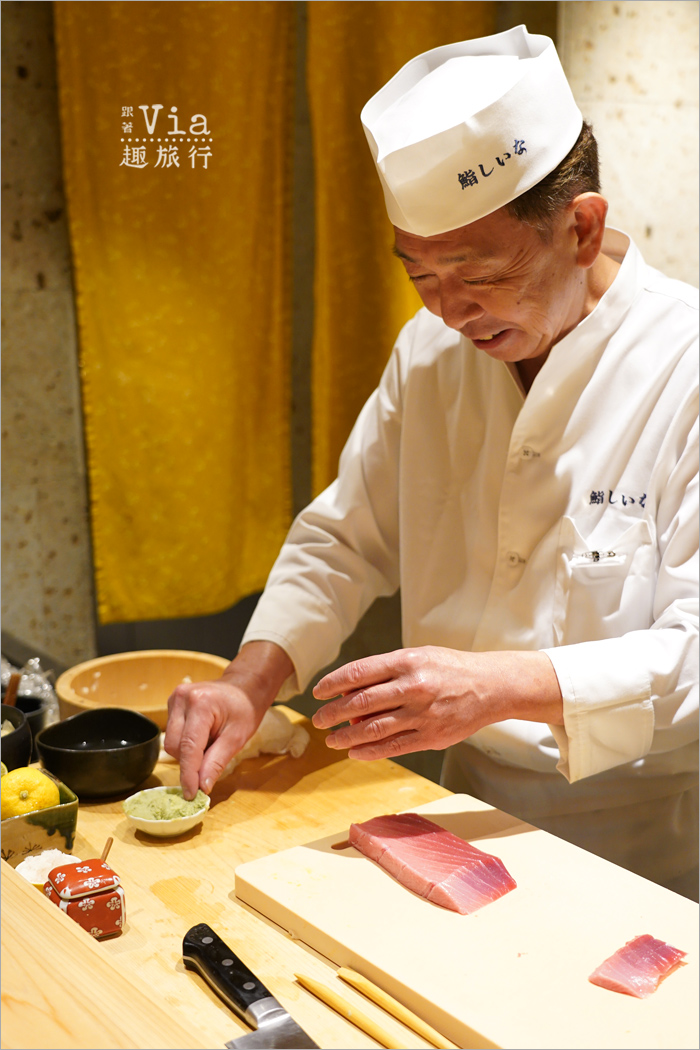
<point>463,129</point>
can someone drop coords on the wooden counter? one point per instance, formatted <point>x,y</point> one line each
<point>60,988</point>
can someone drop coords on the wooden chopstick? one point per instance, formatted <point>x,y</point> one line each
<point>394,1007</point>
<point>332,998</point>
<point>10,697</point>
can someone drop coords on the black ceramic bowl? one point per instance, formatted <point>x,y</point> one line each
<point>103,752</point>
<point>15,747</point>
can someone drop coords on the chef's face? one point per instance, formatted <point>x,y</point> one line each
<point>500,283</point>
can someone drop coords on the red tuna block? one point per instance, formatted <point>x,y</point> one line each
<point>432,862</point>
<point>638,967</point>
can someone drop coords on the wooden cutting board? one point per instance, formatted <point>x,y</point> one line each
<point>512,975</point>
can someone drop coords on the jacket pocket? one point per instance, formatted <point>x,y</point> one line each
<point>603,590</point>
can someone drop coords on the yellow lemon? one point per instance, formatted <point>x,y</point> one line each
<point>25,790</point>
<point>3,769</point>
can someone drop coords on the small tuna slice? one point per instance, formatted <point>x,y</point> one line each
<point>432,862</point>
<point>638,967</point>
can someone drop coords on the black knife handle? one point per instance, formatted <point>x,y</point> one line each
<point>204,951</point>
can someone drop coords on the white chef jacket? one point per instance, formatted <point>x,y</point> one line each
<point>564,521</point>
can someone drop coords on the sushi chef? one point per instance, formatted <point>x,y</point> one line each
<point>525,473</point>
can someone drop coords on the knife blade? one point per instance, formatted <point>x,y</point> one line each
<point>204,951</point>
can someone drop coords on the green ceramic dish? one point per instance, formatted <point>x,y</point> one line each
<point>52,828</point>
<point>164,828</point>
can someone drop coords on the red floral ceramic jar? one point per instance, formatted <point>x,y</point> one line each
<point>90,893</point>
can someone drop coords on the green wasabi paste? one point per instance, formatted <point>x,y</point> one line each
<point>164,805</point>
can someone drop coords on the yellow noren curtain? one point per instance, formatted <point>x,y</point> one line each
<point>362,296</point>
<point>182,288</point>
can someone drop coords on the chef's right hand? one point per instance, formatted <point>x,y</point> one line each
<point>209,722</point>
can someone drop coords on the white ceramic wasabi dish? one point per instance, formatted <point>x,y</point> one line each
<point>164,828</point>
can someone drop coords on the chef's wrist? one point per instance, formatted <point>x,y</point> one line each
<point>521,684</point>
<point>260,669</point>
<point>539,690</point>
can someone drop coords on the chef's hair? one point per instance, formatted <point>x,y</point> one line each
<point>577,173</point>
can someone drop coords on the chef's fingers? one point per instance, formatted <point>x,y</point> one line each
<point>177,706</point>
<point>191,755</point>
<point>359,674</point>
<point>217,757</point>
<point>387,740</point>
<point>370,730</point>
<point>398,744</point>
<point>356,706</point>
<point>194,739</point>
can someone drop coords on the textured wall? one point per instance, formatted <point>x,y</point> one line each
<point>633,68</point>
<point>47,575</point>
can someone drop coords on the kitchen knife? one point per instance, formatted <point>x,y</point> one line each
<point>204,951</point>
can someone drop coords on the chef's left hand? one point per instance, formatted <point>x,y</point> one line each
<point>429,697</point>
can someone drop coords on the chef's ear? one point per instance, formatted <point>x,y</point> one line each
<point>588,212</point>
